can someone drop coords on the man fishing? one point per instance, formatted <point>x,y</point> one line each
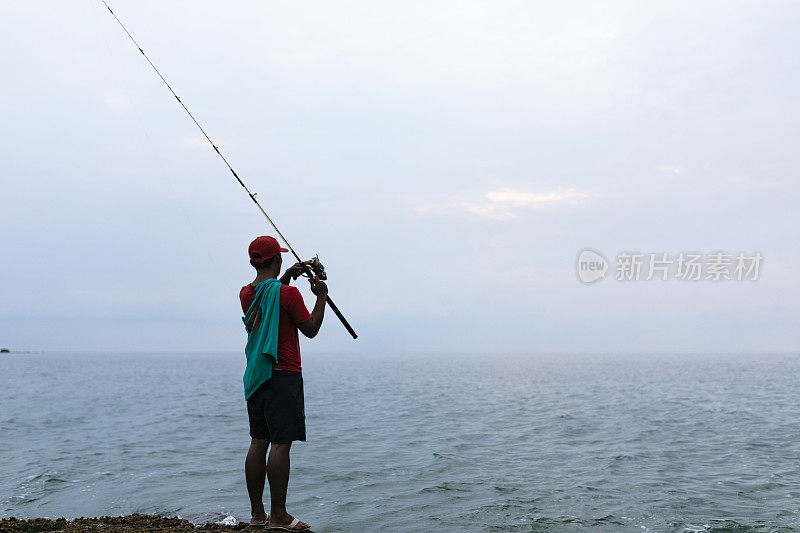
<point>273,380</point>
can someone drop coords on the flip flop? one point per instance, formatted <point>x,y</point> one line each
<point>258,524</point>
<point>290,527</point>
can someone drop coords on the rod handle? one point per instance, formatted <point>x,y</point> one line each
<point>332,305</point>
<point>339,314</point>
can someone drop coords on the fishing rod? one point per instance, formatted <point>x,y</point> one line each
<point>309,267</point>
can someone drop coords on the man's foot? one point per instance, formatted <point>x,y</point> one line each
<point>259,520</point>
<point>286,523</point>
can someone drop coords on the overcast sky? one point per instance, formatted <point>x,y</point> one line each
<point>447,160</point>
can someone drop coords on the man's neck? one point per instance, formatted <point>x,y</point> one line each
<point>264,275</point>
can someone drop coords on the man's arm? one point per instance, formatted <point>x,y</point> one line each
<point>310,327</point>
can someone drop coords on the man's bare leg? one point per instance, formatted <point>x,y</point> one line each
<point>255,470</point>
<point>278,475</point>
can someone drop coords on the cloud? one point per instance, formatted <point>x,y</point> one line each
<point>451,42</point>
<point>504,204</point>
<point>194,143</point>
<point>117,101</point>
<point>671,169</point>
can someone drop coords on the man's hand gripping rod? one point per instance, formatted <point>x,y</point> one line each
<point>252,195</point>
<point>314,268</point>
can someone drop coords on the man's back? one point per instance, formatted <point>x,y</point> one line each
<point>292,312</point>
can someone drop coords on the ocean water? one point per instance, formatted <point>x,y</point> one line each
<point>413,443</point>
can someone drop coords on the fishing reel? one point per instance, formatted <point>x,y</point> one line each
<point>315,267</point>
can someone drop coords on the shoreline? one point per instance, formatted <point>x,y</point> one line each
<point>133,523</point>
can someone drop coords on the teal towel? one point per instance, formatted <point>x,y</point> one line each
<point>262,342</point>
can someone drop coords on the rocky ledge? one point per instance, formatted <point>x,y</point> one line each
<point>134,523</point>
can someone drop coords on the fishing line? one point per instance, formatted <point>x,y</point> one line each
<point>252,195</point>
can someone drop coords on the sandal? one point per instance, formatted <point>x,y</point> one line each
<point>290,527</point>
<point>259,524</point>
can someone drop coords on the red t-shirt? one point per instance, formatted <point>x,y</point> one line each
<point>292,312</point>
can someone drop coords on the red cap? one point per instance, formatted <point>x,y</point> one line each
<point>263,248</point>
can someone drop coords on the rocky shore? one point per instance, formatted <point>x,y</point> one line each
<point>134,523</point>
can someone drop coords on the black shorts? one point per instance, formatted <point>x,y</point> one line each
<point>276,409</point>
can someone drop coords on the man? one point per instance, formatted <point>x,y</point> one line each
<point>276,408</point>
